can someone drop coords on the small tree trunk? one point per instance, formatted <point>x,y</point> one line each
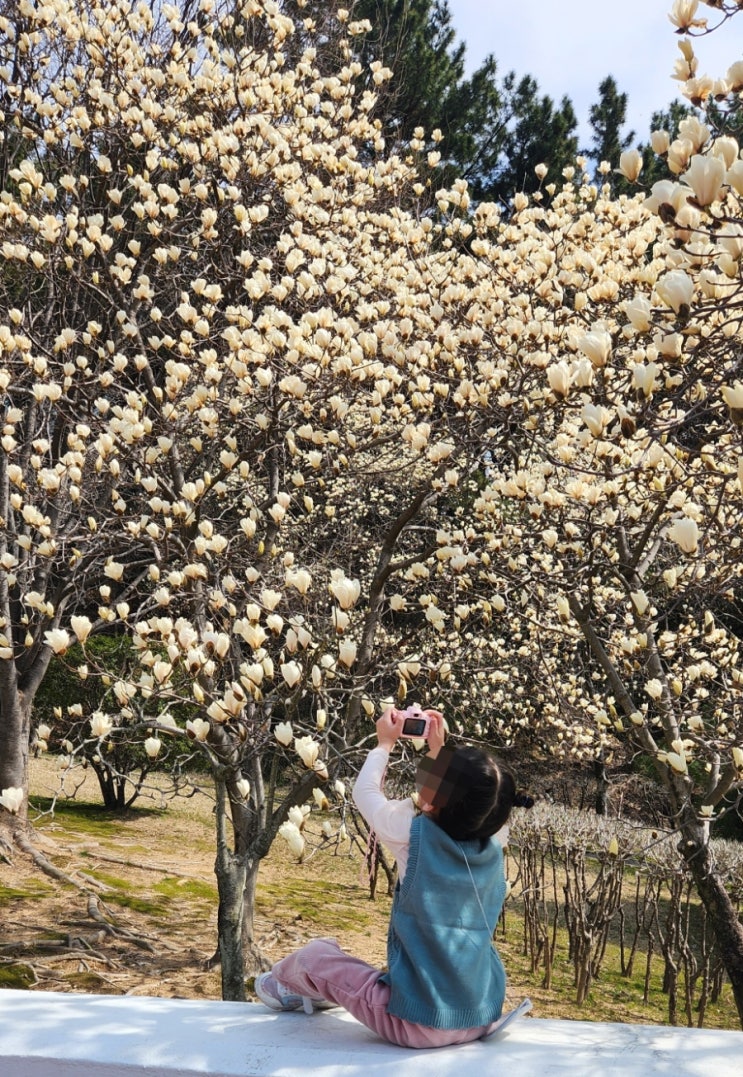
<point>602,785</point>
<point>255,960</point>
<point>14,737</point>
<point>230,870</point>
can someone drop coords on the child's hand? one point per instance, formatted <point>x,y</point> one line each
<point>389,728</point>
<point>436,733</point>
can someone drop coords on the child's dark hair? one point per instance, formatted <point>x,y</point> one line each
<point>482,794</point>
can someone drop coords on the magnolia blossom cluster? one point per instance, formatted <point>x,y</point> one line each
<point>689,18</point>
<point>294,830</point>
<point>298,442</point>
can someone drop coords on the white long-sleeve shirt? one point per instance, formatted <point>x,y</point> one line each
<point>389,819</point>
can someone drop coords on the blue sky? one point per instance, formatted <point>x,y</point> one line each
<point>569,46</point>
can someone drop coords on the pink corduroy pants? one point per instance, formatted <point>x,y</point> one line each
<point>323,970</point>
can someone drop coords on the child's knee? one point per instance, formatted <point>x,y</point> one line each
<point>319,949</point>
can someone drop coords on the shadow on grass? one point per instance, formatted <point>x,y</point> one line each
<point>84,818</point>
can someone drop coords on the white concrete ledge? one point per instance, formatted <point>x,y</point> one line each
<point>46,1034</point>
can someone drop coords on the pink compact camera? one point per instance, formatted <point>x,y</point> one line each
<point>416,723</point>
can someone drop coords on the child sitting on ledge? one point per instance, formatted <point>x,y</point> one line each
<point>445,982</point>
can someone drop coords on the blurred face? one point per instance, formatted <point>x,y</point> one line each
<point>436,779</point>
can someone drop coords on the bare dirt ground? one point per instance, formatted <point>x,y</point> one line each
<point>150,926</point>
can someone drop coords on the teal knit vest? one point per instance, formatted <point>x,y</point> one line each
<point>443,969</point>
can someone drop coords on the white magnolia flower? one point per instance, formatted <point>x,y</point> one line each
<point>705,176</point>
<point>11,798</point>
<point>291,835</point>
<point>270,598</point>
<point>197,728</point>
<point>436,617</point>
<point>308,750</point>
<point>58,639</point>
<point>660,141</point>
<point>654,688</point>
<point>630,164</point>
<point>298,813</point>
<point>320,799</point>
<point>299,579</point>
<point>347,652</point>
<point>733,396</point>
<point>291,672</point>
<point>243,787</point>
<point>81,626</point>
<point>677,762</point>
<point>284,733</point>
<point>685,533</point>
<point>676,289</point>
<point>645,377</point>
<point>563,607</point>
<point>596,418</point>
<point>101,724</point>
<point>558,378</point>
<point>346,592</point>
<point>638,310</point>
<point>596,345</point>
<point>640,601</point>
<point>683,15</point>
<point>152,746</point>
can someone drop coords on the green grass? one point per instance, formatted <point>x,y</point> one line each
<point>29,892</point>
<point>144,906</point>
<point>84,819</point>
<point>187,888</point>
<point>323,904</point>
<point>16,977</point>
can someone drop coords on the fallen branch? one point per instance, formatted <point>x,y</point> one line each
<point>95,914</point>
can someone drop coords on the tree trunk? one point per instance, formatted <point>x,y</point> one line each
<point>727,928</point>
<point>14,737</point>
<point>255,960</point>
<point>230,870</point>
<point>602,785</point>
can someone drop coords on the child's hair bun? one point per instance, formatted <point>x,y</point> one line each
<point>523,800</point>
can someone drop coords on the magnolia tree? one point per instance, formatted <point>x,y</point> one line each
<point>616,519</point>
<point>239,428</point>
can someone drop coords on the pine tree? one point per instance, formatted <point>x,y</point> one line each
<point>428,90</point>
<point>494,133</point>
<point>606,119</point>
<point>536,132</point>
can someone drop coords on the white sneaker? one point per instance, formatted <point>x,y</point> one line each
<point>277,997</point>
